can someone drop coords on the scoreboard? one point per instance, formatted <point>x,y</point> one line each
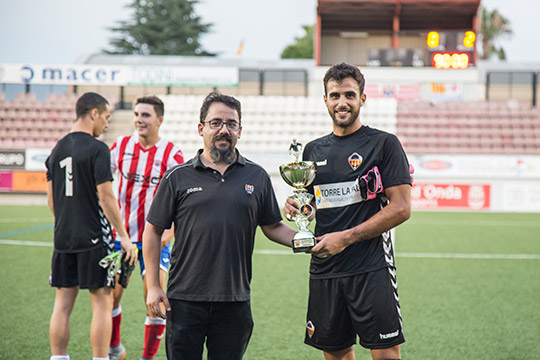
<point>451,49</point>
<point>447,49</point>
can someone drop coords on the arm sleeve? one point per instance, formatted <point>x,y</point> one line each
<point>305,157</point>
<point>177,158</point>
<point>102,164</point>
<point>114,156</point>
<point>49,174</point>
<point>395,167</point>
<point>270,213</point>
<point>163,208</point>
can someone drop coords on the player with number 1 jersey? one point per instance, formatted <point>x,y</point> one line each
<point>81,197</point>
<point>76,166</point>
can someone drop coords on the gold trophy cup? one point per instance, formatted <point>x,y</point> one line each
<point>300,174</point>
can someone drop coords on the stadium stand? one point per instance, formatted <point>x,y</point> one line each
<point>28,123</point>
<point>269,122</point>
<point>424,128</point>
<point>496,127</point>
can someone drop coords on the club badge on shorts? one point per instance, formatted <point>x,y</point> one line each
<point>355,160</point>
<point>249,188</point>
<point>310,328</point>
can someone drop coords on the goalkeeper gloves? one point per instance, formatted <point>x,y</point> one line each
<point>370,184</point>
<point>125,270</point>
<point>116,263</point>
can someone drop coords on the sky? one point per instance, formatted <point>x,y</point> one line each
<point>62,31</point>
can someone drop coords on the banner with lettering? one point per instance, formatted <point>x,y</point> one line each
<point>121,75</point>
<point>447,196</point>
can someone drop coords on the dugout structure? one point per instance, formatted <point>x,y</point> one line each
<point>439,33</point>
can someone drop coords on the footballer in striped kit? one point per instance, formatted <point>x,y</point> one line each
<point>140,161</point>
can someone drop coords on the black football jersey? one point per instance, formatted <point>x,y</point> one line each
<point>76,165</point>
<point>340,161</point>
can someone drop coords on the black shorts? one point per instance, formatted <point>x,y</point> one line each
<point>80,269</point>
<point>226,327</point>
<point>366,305</point>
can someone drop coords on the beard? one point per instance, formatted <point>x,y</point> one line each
<point>227,155</point>
<point>344,124</point>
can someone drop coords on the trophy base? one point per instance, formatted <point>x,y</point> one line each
<point>302,241</point>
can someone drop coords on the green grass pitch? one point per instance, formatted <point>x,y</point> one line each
<point>469,286</point>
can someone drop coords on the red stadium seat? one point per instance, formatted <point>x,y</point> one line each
<point>467,128</point>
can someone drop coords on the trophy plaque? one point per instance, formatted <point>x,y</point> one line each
<point>300,174</point>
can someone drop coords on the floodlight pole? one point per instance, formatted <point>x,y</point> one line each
<point>534,82</point>
<point>487,86</point>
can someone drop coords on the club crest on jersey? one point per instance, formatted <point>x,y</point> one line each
<point>249,188</point>
<point>355,160</point>
<point>157,163</point>
<point>310,328</point>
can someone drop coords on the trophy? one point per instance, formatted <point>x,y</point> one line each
<point>300,174</point>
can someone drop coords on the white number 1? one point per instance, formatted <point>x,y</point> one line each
<point>67,163</point>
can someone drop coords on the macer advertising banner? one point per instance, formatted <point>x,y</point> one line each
<point>182,76</point>
<point>448,196</point>
<point>122,75</point>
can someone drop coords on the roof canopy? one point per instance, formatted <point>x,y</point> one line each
<point>412,15</point>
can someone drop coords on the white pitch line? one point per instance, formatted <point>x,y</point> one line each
<point>477,223</point>
<point>430,255</point>
<point>469,256</point>
<point>25,243</point>
<point>401,255</point>
<point>24,220</point>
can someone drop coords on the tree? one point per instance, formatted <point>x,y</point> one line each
<point>492,26</point>
<point>302,48</point>
<point>160,27</point>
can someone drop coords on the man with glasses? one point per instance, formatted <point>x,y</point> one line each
<point>216,201</point>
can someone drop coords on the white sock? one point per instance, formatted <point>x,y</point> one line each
<point>60,357</point>
<point>95,358</point>
<point>117,311</point>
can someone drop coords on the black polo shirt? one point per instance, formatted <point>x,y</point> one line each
<point>215,218</point>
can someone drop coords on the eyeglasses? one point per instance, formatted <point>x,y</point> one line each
<point>218,124</point>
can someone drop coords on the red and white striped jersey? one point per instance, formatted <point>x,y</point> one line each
<point>139,174</point>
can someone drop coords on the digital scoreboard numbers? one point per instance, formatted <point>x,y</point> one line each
<point>451,49</point>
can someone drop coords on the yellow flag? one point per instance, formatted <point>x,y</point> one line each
<point>240,47</point>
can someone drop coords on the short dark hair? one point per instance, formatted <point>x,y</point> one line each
<point>216,96</point>
<point>341,71</point>
<point>89,101</point>
<point>159,107</point>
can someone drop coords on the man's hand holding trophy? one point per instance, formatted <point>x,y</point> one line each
<point>300,174</point>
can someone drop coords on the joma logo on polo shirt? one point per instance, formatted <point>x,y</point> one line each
<point>193,189</point>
